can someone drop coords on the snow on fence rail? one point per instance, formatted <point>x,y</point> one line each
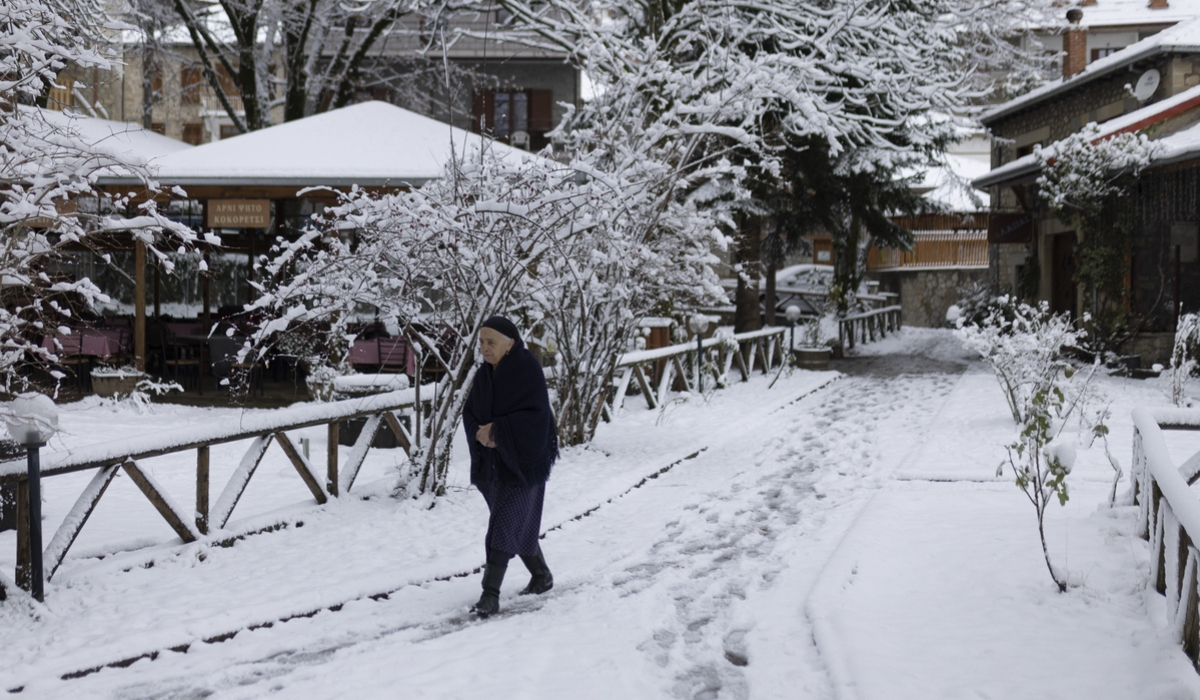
<point>1169,516</point>
<point>678,367</point>
<point>866,324</point>
<point>261,429</point>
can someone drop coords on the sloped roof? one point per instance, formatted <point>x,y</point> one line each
<point>1134,121</point>
<point>1133,13</point>
<point>1181,38</point>
<point>367,144</point>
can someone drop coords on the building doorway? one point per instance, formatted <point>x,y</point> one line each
<point>1062,274</point>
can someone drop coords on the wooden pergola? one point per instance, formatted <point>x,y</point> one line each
<point>245,183</point>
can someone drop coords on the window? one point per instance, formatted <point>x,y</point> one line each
<point>159,128</point>
<point>193,133</point>
<point>191,80</point>
<point>501,113</point>
<point>228,130</point>
<point>1098,54</point>
<point>503,17</point>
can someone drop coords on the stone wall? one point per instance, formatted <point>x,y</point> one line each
<point>1152,347</point>
<point>926,294</point>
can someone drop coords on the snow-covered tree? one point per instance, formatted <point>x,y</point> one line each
<point>1085,182</point>
<point>751,83</point>
<point>1183,356</point>
<point>574,255</point>
<point>48,203</point>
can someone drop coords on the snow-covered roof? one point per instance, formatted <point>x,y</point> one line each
<point>1183,37</point>
<point>1134,121</point>
<point>1133,13</point>
<point>950,185</point>
<point>367,144</point>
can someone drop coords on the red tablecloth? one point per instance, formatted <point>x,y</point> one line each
<point>393,351</point>
<point>104,342</point>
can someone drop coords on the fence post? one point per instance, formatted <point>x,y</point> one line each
<point>202,456</point>
<point>331,460</point>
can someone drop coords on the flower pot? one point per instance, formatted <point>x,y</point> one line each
<point>116,382</point>
<point>812,358</point>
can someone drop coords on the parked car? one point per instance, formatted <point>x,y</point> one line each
<point>806,286</point>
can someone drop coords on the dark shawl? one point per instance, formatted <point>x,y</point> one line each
<point>513,398</point>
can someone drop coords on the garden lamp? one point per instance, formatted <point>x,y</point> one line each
<point>793,314</point>
<point>32,421</point>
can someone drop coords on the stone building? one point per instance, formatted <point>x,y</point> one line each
<point>514,92</point>
<point>1150,87</point>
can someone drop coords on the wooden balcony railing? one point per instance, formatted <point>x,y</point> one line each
<point>934,249</point>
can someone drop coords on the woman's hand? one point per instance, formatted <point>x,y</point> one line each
<point>484,435</point>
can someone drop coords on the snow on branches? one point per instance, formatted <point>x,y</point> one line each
<point>575,256</point>
<point>48,168</point>
<point>1082,170</point>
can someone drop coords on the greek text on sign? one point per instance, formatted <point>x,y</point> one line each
<point>239,213</point>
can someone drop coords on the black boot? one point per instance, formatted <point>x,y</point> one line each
<point>493,577</point>
<point>541,580</point>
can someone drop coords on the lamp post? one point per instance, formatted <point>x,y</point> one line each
<point>32,421</point>
<point>699,324</point>
<point>793,314</point>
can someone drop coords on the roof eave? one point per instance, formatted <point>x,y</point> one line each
<point>1083,78</point>
<point>298,182</point>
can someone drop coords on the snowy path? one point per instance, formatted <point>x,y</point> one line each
<point>692,585</point>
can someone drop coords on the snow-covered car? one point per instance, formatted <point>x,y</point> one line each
<point>806,286</point>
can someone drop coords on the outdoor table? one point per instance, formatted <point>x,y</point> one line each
<point>185,329</point>
<point>102,343</point>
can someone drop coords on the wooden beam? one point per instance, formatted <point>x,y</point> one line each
<point>398,430</point>
<point>139,305</point>
<point>359,452</point>
<point>645,387</point>
<point>166,507</point>
<point>237,483</point>
<point>331,460</point>
<point>76,518</point>
<point>302,467</point>
<point>202,483</point>
<point>618,401</point>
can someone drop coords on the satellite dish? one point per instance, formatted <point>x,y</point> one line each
<point>1146,85</point>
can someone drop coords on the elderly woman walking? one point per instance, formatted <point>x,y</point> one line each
<point>514,443</point>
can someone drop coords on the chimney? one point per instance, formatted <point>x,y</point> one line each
<point>1075,43</point>
<point>1158,4</point>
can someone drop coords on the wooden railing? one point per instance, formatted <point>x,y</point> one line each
<point>1169,516</point>
<point>934,249</point>
<point>675,366</point>
<point>863,327</point>
<point>107,459</point>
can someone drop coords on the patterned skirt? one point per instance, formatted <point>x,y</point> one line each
<point>516,516</point>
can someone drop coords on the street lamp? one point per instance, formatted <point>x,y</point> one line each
<point>32,421</point>
<point>793,314</point>
<point>699,323</point>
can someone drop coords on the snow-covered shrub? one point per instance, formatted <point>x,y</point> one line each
<point>1049,397</point>
<point>1183,357</point>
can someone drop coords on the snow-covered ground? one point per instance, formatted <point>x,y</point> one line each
<point>839,535</point>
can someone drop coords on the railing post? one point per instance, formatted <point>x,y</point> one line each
<point>202,456</point>
<point>331,460</point>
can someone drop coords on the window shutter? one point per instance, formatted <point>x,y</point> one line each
<point>541,110</point>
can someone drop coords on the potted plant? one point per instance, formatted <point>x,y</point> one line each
<point>116,381</point>
<point>813,352</point>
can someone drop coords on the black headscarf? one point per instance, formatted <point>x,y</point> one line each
<point>512,397</point>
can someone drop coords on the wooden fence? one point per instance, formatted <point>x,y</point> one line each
<point>675,365</point>
<point>260,429</point>
<point>762,349</point>
<point>934,249</point>
<point>864,326</point>
<point>1169,516</point>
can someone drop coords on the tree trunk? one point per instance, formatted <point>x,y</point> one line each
<point>747,305</point>
<point>147,89</point>
<point>769,304</point>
